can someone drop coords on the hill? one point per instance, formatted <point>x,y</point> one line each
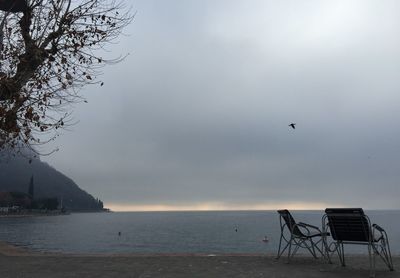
<point>15,174</point>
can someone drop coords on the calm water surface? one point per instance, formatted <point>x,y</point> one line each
<point>168,232</point>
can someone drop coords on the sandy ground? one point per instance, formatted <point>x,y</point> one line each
<point>17,262</point>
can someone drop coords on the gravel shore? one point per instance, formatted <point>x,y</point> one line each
<point>17,262</point>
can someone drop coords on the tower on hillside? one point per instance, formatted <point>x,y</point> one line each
<point>31,189</point>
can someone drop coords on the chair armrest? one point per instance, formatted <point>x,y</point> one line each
<point>382,232</point>
<point>379,228</point>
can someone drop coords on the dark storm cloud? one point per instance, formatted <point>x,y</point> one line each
<point>199,111</point>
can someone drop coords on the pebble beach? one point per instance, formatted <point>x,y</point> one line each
<point>18,262</point>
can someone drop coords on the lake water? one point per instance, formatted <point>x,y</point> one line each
<point>212,232</point>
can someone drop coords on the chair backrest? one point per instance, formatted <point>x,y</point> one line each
<point>349,224</point>
<point>289,221</point>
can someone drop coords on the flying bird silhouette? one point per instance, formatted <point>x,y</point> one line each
<point>292,125</point>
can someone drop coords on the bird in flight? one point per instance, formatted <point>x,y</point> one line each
<point>293,125</point>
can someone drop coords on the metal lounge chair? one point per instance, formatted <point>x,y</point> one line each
<point>352,226</point>
<point>298,235</point>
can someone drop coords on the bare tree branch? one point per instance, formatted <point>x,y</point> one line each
<point>48,52</point>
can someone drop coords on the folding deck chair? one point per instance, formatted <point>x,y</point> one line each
<point>352,226</point>
<point>299,235</point>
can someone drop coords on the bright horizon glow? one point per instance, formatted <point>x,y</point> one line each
<point>216,206</point>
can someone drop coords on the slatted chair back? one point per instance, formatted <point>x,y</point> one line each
<point>290,222</point>
<point>349,224</point>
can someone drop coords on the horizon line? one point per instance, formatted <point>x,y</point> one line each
<point>213,206</point>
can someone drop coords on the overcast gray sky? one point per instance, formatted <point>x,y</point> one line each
<point>197,115</point>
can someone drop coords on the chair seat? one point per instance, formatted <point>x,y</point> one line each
<point>319,234</point>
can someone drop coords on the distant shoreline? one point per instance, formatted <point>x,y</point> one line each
<point>33,214</point>
<point>48,213</point>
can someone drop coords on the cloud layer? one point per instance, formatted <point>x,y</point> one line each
<point>198,113</point>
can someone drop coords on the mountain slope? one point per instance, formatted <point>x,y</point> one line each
<point>15,174</point>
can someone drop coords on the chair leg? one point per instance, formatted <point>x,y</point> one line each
<point>296,247</point>
<point>283,250</point>
<point>320,250</point>
<point>324,249</point>
<point>310,247</point>
<point>371,254</point>
<point>387,253</point>
<point>384,252</point>
<point>340,251</point>
<point>280,249</point>
<point>313,249</point>
<point>290,249</point>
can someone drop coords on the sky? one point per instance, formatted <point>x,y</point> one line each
<point>196,117</point>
